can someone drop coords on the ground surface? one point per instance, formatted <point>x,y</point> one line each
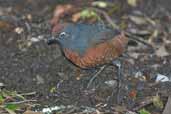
<point>27,65</point>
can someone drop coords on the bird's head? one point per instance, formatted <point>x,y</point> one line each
<point>65,35</point>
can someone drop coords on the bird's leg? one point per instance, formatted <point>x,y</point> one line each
<point>96,74</point>
<point>118,65</point>
<point>119,78</point>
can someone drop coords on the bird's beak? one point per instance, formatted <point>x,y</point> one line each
<point>52,40</point>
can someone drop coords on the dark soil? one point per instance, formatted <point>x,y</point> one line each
<point>27,66</point>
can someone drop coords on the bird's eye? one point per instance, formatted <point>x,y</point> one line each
<point>63,34</point>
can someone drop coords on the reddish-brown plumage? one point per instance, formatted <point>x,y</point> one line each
<point>100,54</point>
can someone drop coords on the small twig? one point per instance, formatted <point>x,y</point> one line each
<point>28,27</point>
<point>96,74</point>
<point>119,65</point>
<point>28,94</point>
<point>137,38</point>
<point>72,110</point>
<point>143,104</point>
<point>167,109</point>
<point>107,17</point>
<point>20,102</point>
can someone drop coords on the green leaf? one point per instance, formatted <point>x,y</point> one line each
<point>144,111</point>
<point>100,4</point>
<point>157,102</point>
<point>11,106</point>
<point>53,90</point>
<point>132,3</point>
<point>87,13</point>
<point>1,99</point>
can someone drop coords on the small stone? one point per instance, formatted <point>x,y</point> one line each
<point>162,78</point>
<point>111,83</point>
<point>19,30</point>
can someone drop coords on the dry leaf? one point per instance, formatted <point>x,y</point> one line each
<point>100,4</point>
<point>58,27</point>
<point>4,25</point>
<point>19,30</point>
<point>162,52</point>
<point>139,32</point>
<point>133,94</point>
<point>121,109</point>
<point>138,20</point>
<point>32,112</point>
<point>76,17</point>
<point>157,102</point>
<point>167,109</point>
<point>132,3</point>
<point>60,11</point>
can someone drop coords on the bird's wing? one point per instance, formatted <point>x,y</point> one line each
<point>88,36</point>
<point>102,37</point>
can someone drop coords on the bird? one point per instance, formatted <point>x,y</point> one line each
<point>89,45</point>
